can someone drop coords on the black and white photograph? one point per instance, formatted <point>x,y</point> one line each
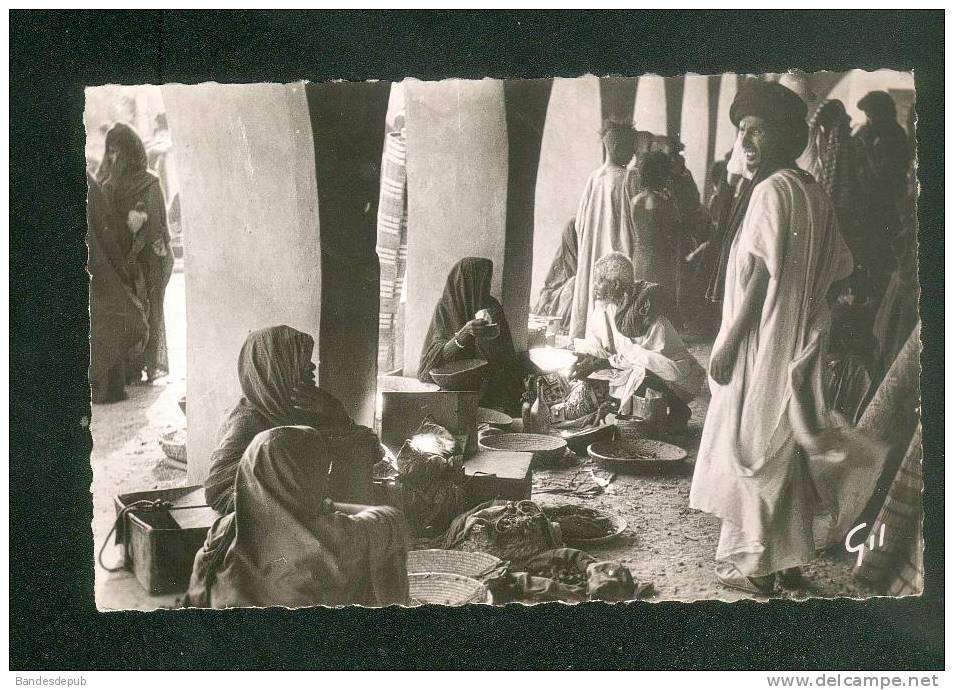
<point>476,340</point>
<point>503,341</point>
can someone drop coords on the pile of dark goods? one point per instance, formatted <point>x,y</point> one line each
<point>580,522</point>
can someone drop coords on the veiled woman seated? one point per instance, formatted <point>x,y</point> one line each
<point>286,543</point>
<point>633,347</point>
<point>278,389</point>
<point>469,323</point>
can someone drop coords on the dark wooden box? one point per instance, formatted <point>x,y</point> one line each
<point>403,411</point>
<point>161,545</point>
<point>498,474</point>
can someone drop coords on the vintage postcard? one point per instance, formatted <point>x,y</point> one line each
<point>484,342</point>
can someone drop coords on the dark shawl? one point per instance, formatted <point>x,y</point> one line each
<point>562,271</point>
<point>134,176</point>
<point>272,362</point>
<point>130,186</point>
<point>280,548</point>
<point>466,292</point>
<point>640,308</point>
<point>117,316</point>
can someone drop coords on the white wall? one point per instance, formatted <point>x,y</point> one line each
<point>246,162</point>
<point>569,152</point>
<point>457,190</point>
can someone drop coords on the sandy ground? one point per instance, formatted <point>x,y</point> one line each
<point>665,543</point>
<point>672,546</point>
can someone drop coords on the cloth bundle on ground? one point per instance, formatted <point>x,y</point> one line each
<point>281,546</point>
<point>567,575</point>
<point>511,531</point>
<point>432,477</point>
<point>272,363</point>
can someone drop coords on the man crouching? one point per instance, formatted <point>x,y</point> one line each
<point>632,346</point>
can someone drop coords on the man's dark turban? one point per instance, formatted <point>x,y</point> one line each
<point>779,106</point>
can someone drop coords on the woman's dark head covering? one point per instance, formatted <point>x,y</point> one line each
<point>878,106</point>
<point>466,292</point>
<point>134,176</point>
<point>272,362</point>
<point>779,106</point>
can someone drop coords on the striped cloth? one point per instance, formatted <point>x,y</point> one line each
<point>896,567</point>
<point>392,251</point>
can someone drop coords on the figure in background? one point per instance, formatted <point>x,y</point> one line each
<point>655,254</point>
<point>701,314</point>
<point>278,389</point>
<point>883,158</point>
<point>603,221</point>
<point>851,369</point>
<point>832,163</point>
<point>458,332</point>
<point>766,370</point>
<point>631,345</point>
<point>285,543</point>
<point>685,192</point>
<point>118,325</point>
<point>556,295</point>
<point>135,200</point>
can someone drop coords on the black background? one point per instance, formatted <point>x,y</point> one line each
<point>54,623</point>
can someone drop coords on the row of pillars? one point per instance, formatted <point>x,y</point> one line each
<point>280,187</point>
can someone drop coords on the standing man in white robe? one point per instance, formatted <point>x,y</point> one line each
<point>603,222</point>
<point>754,466</point>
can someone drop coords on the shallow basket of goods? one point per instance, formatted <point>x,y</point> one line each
<point>544,448</point>
<point>446,589</point>
<point>639,455</point>
<point>584,526</point>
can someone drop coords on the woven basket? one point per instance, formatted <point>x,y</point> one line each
<point>461,375</point>
<point>493,418</point>
<point>174,445</point>
<point>544,448</point>
<point>624,455</point>
<point>445,589</point>
<point>472,564</point>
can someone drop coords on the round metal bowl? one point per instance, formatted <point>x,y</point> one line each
<point>639,455</point>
